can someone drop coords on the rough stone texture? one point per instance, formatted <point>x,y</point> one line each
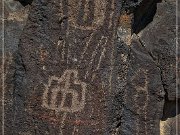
<point>168,127</point>
<point>162,49</point>
<point>143,99</point>
<point>163,45</point>
<point>63,50</point>
<point>160,40</point>
<point>78,69</point>
<point>15,18</point>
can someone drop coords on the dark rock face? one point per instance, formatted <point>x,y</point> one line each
<point>143,98</point>
<point>163,50</point>
<point>67,53</point>
<point>15,18</point>
<point>163,46</point>
<point>86,67</point>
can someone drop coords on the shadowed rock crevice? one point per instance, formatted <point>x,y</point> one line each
<point>25,2</point>
<point>170,109</point>
<point>144,14</point>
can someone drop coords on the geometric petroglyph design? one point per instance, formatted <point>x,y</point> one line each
<point>87,14</point>
<point>68,84</point>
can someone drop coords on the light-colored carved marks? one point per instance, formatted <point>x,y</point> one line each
<point>63,86</point>
<point>75,129</point>
<point>63,16</point>
<point>111,14</point>
<point>68,54</point>
<point>61,46</point>
<point>86,14</point>
<point>43,54</point>
<point>55,95</point>
<point>101,46</point>
<point>62,123</point>
<point>99,15</point>
<point>140,83</point>
<point>102,53</point>
<point>103,39</point>
<point>111,68</point>
<point>86,9</point>
<point>102,56</point>
<point>86,47</point>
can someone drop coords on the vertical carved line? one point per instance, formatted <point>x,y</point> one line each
<point>86,13</point>
<point>65,28</point>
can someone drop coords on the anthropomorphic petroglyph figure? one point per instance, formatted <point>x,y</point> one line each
<point>63,87</point>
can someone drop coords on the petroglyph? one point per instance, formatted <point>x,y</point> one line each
<point>84,45</point>
<point>62,123</point>
<point>61,45</point>
<point>87,45</point>
<point>111,14</point>
<point>87,14</point>
<point>102,55</point>
<point>43,54</point>
<point>94,54</point>
<point>64,87</point>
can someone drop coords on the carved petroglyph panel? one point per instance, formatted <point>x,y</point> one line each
<point>87,14</point>
<point>102,47</point>
<point>64,87</point>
